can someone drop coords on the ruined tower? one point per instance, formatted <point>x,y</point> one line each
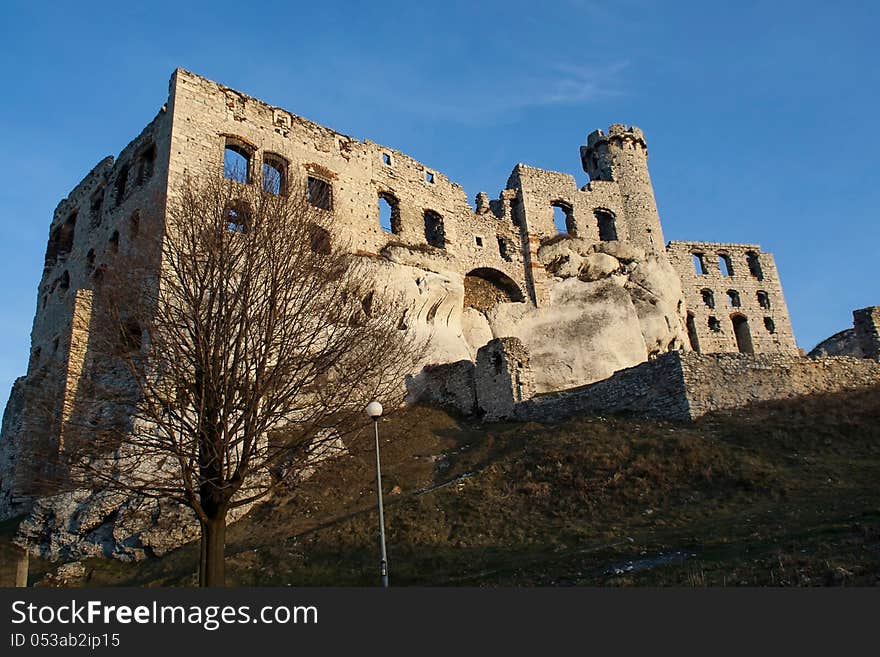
<point>621,156</point>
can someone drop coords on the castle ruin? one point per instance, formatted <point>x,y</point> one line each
<point>515,304</point>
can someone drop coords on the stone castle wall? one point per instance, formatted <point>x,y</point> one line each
<point>99,225</point>
<point>652,389</point>
<point>208,116</point>
<point>688,385</point>
<point>722,282</point>
<point>717,382</point>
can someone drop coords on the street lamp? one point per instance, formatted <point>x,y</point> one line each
<point>374,410</point>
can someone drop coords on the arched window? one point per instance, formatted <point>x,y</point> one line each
<point>563,218</point>
<point>435,232</point>
<point>130,336</point>
<point>770,325</point>
<point>714,324</point>
<point>134,225</point>
<point>606,222</point>
<point>237,157</point>
<point>708,297</point>
<point>146,162</point>
<point>389,213</point>
<point>763,299</point>
<point>743,334</point>
<point>700,263</point>
<point>725,264</point>
<point>320,193</point>
<point>61,240</point>
<point>96,208</point>
<point>733,300</point>
<point>505,248</point>
<point>754,265</point>
<point>274,174</point>
<point>121,183</point>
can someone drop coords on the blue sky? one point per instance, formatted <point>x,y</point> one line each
<point>760,116</point>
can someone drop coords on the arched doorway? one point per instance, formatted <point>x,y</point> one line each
<point>743,334</point>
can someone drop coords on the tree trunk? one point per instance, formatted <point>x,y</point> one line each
<point>212,566</point>
<point>202,552</point>
<point>21,569</point>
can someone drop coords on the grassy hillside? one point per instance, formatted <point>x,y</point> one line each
<point>784,494</point>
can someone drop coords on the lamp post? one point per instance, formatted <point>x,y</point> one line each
<point>374,410</point>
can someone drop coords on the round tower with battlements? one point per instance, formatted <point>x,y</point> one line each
<point>621,156</point>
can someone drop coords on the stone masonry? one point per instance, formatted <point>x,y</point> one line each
<point>688,385</point>
<point>734,298</point>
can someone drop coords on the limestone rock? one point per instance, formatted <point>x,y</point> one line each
<point>621,250</point>
<point>596,322</point>
<point>475,330</point>
<point>434,303</point>
<point>596,266</point>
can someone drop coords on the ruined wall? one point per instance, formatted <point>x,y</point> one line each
<point>866,324</point>
<point>207,116</point>
<point>724,381</point>
<point>538,192</point>
<point>502,378</point>
<point>842,343</point>
<point>751,280</point>
<point>93,233</point>
<point>651,389</point>
<point>94,229</point>
<point>687,385</point>
<point>448,385</point>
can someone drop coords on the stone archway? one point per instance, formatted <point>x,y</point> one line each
<point>484,287</point>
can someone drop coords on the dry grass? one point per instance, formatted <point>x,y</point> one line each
<point>783,495</point>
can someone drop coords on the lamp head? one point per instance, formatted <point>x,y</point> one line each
<point>374,410</point>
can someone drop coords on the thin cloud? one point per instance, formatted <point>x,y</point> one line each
<point>506,97</point>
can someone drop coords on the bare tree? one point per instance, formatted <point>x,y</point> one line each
<point>241,341</point>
